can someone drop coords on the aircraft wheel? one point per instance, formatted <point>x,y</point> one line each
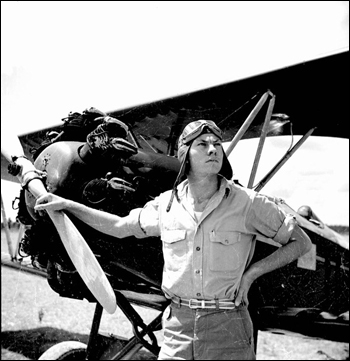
<point>67,350</point>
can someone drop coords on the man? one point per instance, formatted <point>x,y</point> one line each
<point>206,224</point>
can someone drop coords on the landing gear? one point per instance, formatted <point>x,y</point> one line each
<point>67,350</point>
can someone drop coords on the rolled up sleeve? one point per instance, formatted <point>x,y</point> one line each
<point>285,231</point>
<point>134,223</point>
<point>266,218</point>
<point>149,219</point>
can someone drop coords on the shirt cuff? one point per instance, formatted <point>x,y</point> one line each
<point>285,231</point>
<point>134,223</point>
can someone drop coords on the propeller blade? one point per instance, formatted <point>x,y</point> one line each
<point>78,250</point>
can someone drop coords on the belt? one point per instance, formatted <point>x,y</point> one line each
<point>214,304</point>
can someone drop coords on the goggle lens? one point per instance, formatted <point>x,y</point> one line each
<point>198,130</point>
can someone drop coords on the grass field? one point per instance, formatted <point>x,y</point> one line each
<point>34,318</point>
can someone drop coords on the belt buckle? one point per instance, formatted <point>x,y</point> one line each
<point>202,304</point>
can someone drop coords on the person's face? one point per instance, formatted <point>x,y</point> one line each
<point>206,155</point>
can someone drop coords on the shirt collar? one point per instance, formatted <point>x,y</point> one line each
<point>224,189</point>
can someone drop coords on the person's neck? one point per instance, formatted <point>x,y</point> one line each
<point>200,190</point>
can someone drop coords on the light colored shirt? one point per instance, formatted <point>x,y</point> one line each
<point>205,259</point>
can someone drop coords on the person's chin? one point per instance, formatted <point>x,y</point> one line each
<point>213,167</point>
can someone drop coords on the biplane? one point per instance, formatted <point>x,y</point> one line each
<point>308,297</point>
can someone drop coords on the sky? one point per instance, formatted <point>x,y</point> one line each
<point>317,174</point>
<point>58,57</point>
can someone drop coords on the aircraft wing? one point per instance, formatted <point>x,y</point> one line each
<point>312,94</point>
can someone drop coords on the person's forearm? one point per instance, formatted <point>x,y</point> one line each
<point>104,222</point>
<point>299,245</point>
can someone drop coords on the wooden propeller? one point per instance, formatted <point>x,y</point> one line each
<point>78,250</point>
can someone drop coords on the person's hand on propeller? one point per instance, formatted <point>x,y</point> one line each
<point>51,202</point>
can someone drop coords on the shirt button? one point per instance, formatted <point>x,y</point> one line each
<point>198,249</point>
<point>198,271</point>
<point>198,294</point>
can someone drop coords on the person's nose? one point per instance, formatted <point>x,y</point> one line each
<point>212,149</point>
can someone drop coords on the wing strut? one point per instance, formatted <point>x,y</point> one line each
<point>261,141</point>
<point>247,123</point>
<point>283,160</point>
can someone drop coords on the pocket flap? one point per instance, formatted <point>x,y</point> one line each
<point>174,235</point>
<point>225,237</point>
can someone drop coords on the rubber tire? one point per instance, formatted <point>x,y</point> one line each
<point>67,350</point>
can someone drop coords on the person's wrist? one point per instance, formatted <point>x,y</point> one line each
<point>68,205</point>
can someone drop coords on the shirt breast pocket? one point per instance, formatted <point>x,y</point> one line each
<point>174,248</point>
<point>227,251</point>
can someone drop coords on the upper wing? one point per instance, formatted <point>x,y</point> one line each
<point>312,94</point>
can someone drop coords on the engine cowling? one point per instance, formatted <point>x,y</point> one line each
<point>109,182</point>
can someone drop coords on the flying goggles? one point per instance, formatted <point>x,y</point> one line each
<point>198,127</point>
